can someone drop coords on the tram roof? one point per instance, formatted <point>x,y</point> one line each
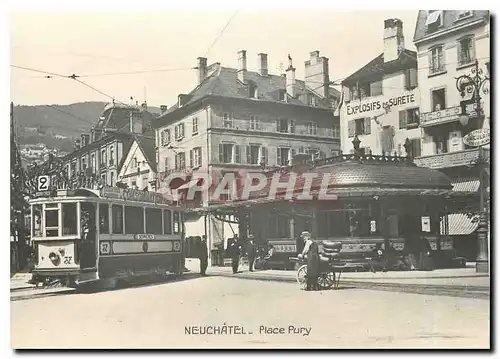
<point>106,193</point>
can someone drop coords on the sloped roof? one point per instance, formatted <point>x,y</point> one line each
<point>224,82</point>
<point>450,20</point>
<point>377,66</point>
<point>147,146</point>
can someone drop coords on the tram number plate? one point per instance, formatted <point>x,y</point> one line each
<point>144,236</point>
<point>68,259</point>
<point>105,248</point>
<point>177,246</point>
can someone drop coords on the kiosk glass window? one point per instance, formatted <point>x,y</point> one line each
<point>134,220</point>
<point>177,223</point>
<point>153,221</point>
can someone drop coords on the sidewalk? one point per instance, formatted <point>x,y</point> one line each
<point>459,278</point>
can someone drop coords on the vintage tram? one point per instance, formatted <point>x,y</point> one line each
<point>84,237</point>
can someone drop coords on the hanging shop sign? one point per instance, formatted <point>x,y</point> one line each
<point>477,138</point>
<point>359,108</point>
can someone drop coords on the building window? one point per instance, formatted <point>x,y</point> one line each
<point>465,51</point>
<point>263,155</point>
<point>134,184</point>
<point>229,153</point>
<point>195,125</point>
<point>434,20</point>
<point>436,60</point>
<point>179,131</point>
<point>111,156</point>
<point>411,79</point>
<point>103,157</point>
<point>252,91</point>
<point>312,128</point>
<point>180,161</point>
<point>165,137</point>
<point>227,120</point>
<point>84,165</point>
<point>165,164</point>
<point>463,14</point>
<point>195,157</point>
<point>441,142</point>
<point>360,126</point>
<point>336,131</point>
<point>283,156</point>
<point>415,147</point>
<point>376,88</point>
<point>409,119</point>
<point>92,161</point>
<point>253,154</point>
<point>112,179</point>
<point>281,95</point>
<point>254,122</point>
<point>283,126</point>
<point>438,99</point>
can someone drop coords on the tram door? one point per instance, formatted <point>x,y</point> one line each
<point>88,255</point>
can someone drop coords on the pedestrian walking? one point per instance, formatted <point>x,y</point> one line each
<point>203,255</point>
<point>234,252</point>
<point>311,252</point>
<point>251,251</point>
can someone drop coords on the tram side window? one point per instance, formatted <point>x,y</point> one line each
<point>103,218</point>
<point>134,220</point>
<point>153,221</point>
<point>167,221</point>
<point>177,223</point>
<point>117,213</point>
<point>69,219</point>
<point>37,220</point>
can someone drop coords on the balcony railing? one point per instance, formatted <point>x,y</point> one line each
<point>447,115</point>
<point>451,159</point>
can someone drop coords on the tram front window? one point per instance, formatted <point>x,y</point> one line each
<point>69,219</point>
<point>51,221</point>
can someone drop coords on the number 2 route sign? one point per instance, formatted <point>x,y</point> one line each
<point>43,183</point>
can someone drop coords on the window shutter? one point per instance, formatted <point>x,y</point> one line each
<point>301,149</point>
<point>200,157</point>
<point>441,58</point>
<point>278,156</point>
<point>351,128</point>
<point>278,125</point>
<point>413,78</point>
<point>402,119</point>
<point>182,130</point>
<point>292,126</point>
<point>176,132</point>
<point>237,154</point>
<point>347,94</point>
<point>368,125</point>
<point>459,52</point>
<point>191,158</point>
<point>472,45</point>
<point>221,153</point>
<point>264,155</point>
<point>249,155</point>
<point>431,64</point>
<point>293,153</point>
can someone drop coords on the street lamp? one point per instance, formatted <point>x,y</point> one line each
<point>474,84</point>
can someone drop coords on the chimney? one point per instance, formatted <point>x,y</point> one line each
<point>163,108</point>
<point>202,69</point>
<point>242,65</point>
<point>92,134</point>
<point>317,77</point>
<point>135,122</point>
<point>144,106</point>
<point>263,64</point>
<point>290,82</point>
<point>394,42</point>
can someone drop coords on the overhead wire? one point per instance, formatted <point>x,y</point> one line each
<point>70,114</point>
<point>222,32</point>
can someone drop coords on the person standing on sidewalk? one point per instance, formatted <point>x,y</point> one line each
<point>203,255</point>
<point>311,252</point>
<point>250,249</point>
<point>234,252</point>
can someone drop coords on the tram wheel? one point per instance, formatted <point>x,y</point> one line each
<point>302,276</point>
<point>326,280</point>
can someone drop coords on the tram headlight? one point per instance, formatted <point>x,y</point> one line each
<point>55,258</point>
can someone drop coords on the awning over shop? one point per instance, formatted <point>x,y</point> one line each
<point>459,224</point>
<point>465,184</point>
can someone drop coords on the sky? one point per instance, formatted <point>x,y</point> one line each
<point>101,44</point>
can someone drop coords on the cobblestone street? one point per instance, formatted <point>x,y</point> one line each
<point>155,316</point>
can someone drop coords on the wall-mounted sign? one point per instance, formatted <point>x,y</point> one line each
<point>358,108</point>
<point>134,195</point>
<point>477,138</point>
<point>426,224</point>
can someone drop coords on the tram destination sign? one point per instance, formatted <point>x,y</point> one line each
<point>143,237</point>
<point>477,138</point>
<point>133,195</point>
